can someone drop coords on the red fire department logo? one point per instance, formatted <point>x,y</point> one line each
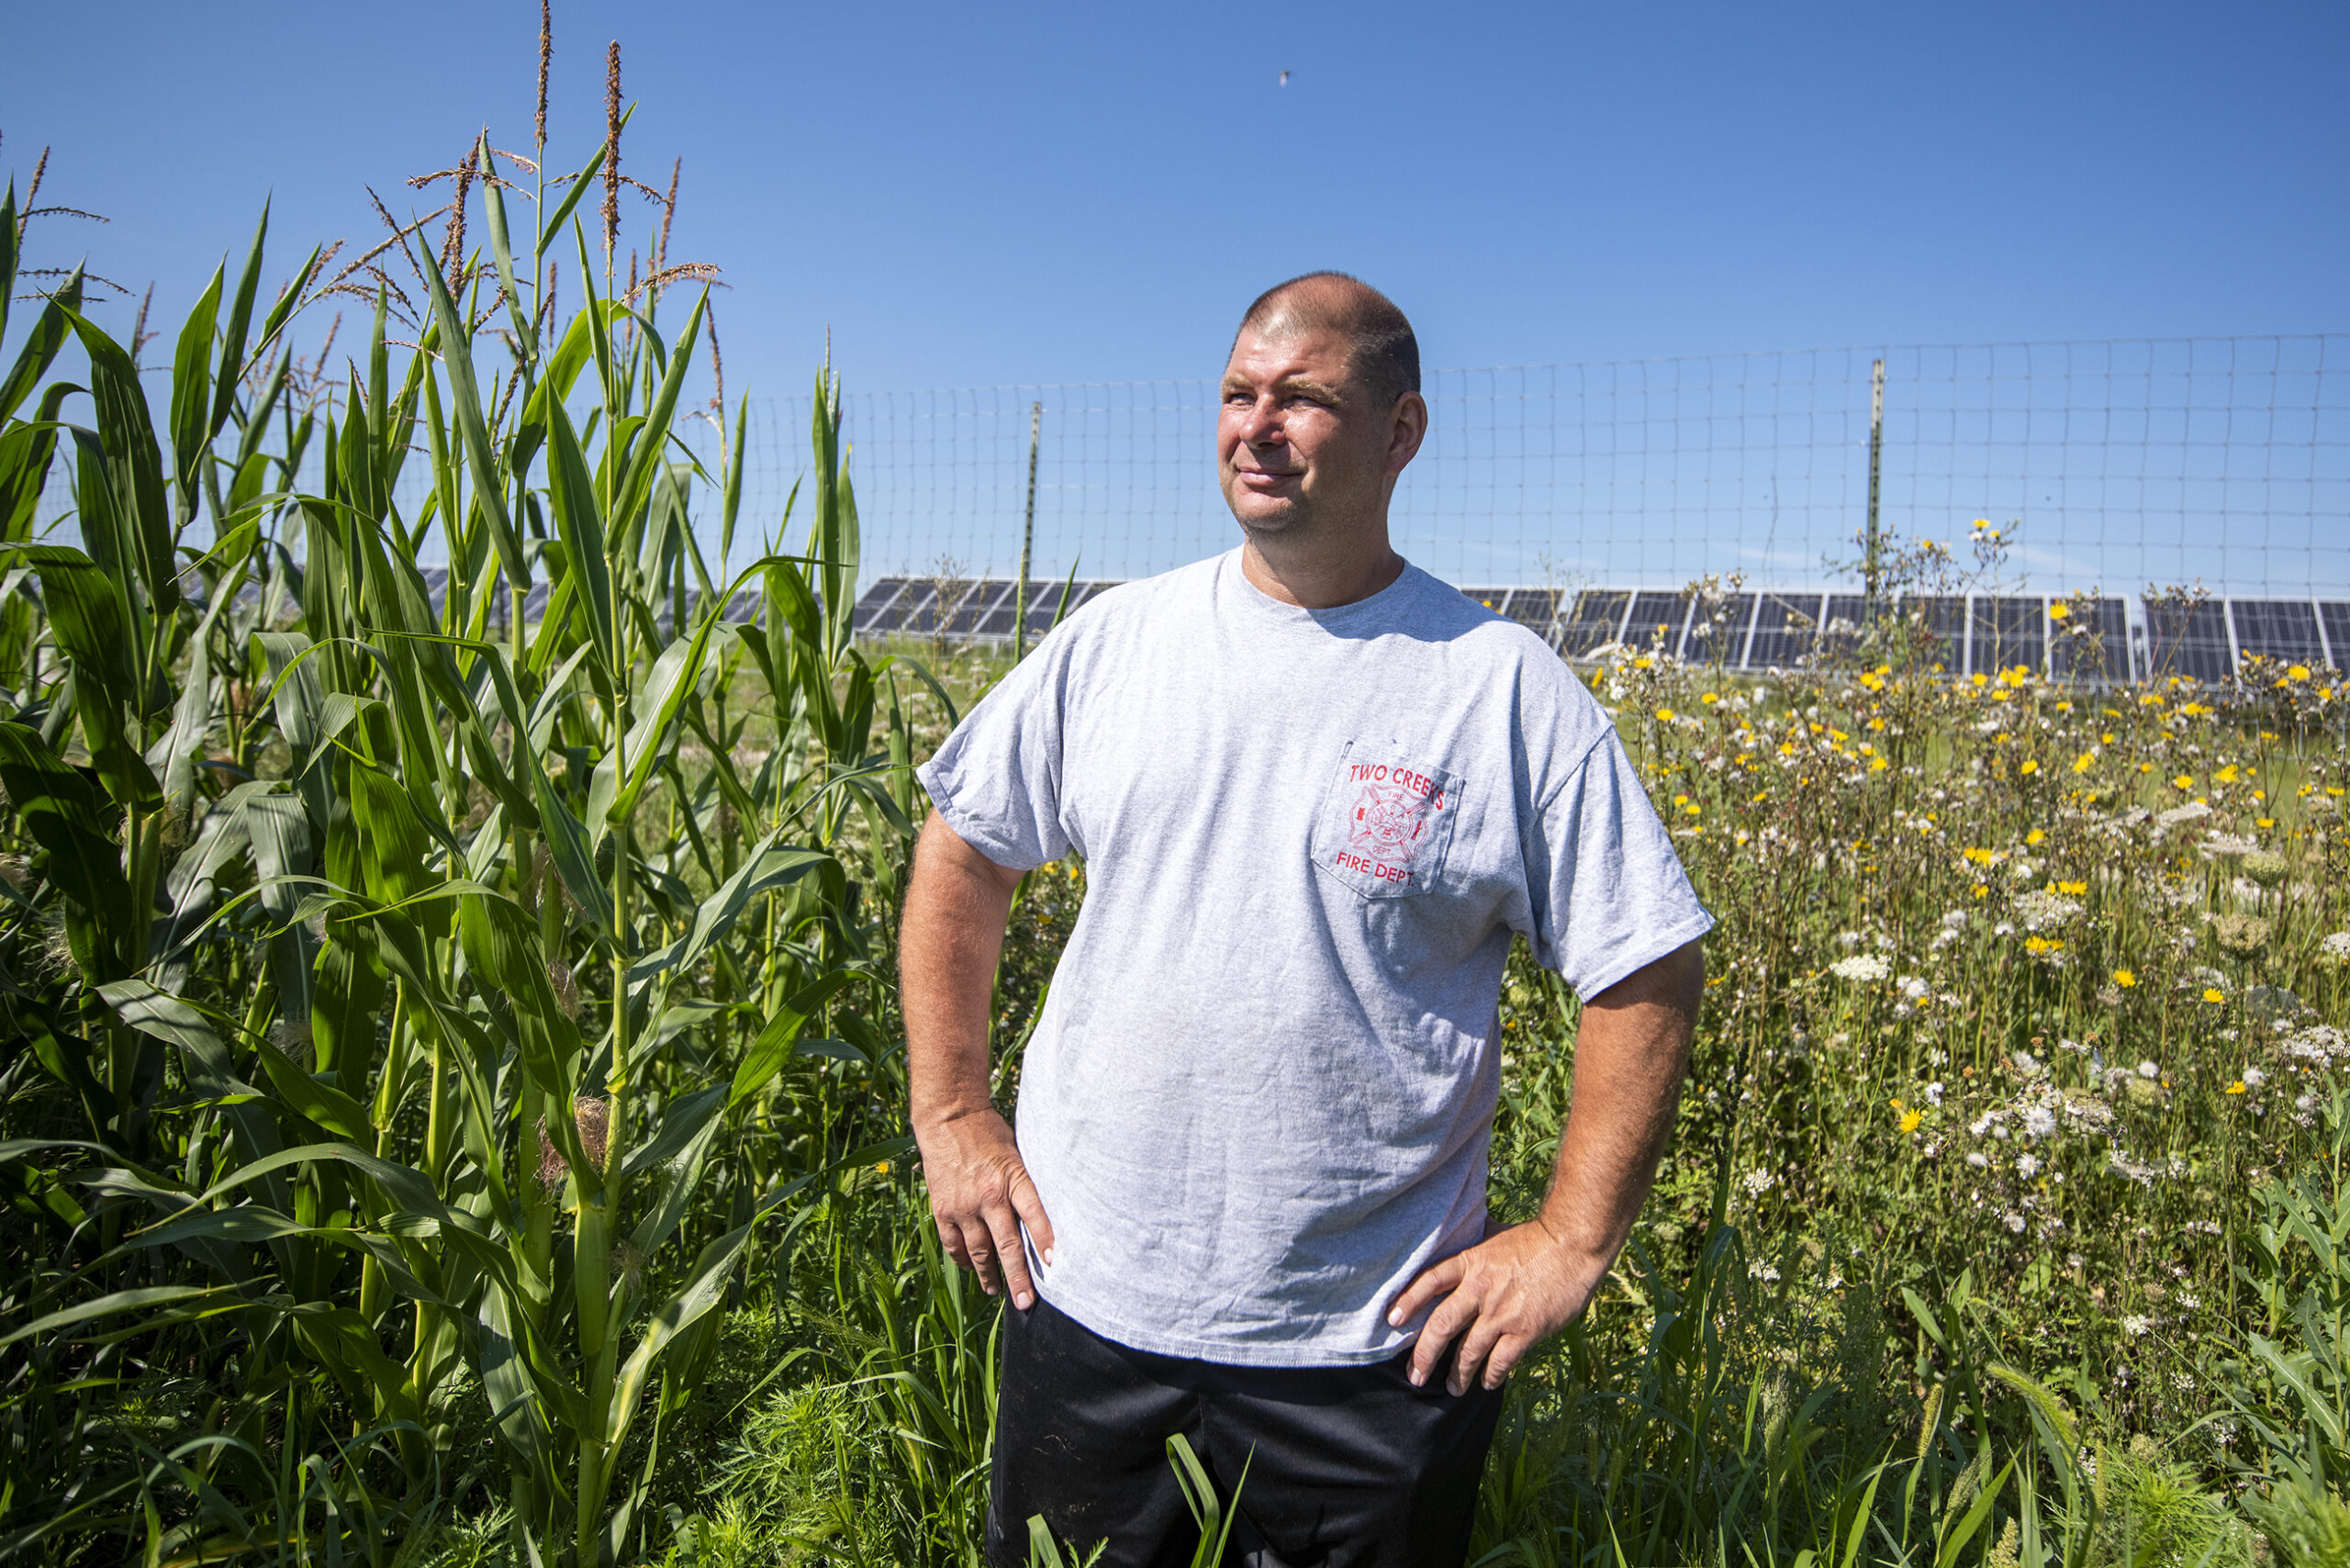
<point>1393,813</point>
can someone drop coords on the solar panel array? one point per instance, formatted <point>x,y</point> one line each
<point>2076,638</point>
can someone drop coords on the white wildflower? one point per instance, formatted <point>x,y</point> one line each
<point>2039,1122</point>
<point>2138,1325</point>
<point>1758,1182</point>
<point>1860,969</point>
<point>2147,1069</point>
<point>1977,1161</point>
<point>2041,909</point>
<point>2028,1166</point>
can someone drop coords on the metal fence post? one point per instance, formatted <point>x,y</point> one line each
<point>1872,568</point>
<point>1027,539</point>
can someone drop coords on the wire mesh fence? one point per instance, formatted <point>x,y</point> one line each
<point>2223,462</point>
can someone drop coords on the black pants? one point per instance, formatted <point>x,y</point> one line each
<point>1349,1467</point>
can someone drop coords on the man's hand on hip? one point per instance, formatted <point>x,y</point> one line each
<point>1500,1299</point>
<point>1502,1296</point>
<point>980,1194</point>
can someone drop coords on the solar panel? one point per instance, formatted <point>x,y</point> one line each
<point>2333,615</point>
<point>873,611</point>
<point>966,614</point>
<point>1784,627</point>
<point>1535,608</point>
<point>1840,627</point>
<point>2281,629</point>
<point>1657,621</point>
<point>1598,616</point>
<point>1942,618</point>
<point>2189,637</point>
<point>911,612</point>
<point>1045,603</point>
<point>1718,631</point>
<point>2090,642</point>
<point>2009,631</point>
<point>1002,609</point>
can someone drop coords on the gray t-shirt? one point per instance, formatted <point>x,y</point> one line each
<point>1259,1099</point>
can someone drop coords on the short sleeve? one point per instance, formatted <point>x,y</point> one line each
<point>997,778</point>
<point>1608,893</point>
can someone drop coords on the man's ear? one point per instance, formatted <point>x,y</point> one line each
<point>1410,428</point>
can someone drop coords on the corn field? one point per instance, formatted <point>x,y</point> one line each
<point>452,1101</point>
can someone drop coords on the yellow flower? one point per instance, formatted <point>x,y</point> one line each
<point>1681,800</point>
<point>1878,764</point>
<point>2059,611</point>
<point>2072,890</point>
<point>1910,1120</point>
<point>2125,979</point>
<point>2265,822</point>
<point>2184,781</point>
<point>1982,889</point>
<point>2237,1087</point>
<point>1877,724</point>
<point>882,1169</point>
<point>1642,662</point>
<point>1709,698</point>
<point>2029,766</point>
<point>2213,994</point>
<point>1665,715</point>
<point>2226,775</point>
<point>2035,836</point>
<point>2084,762</point>
<point>2297,672</point>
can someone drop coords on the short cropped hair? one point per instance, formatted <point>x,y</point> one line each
<point>1382,348</point>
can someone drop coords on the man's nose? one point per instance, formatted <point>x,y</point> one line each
<point>1261,426</point>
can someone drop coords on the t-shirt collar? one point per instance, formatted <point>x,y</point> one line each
<point>1338,620</point>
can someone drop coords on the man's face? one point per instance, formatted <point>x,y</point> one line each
<point>1300,444</point>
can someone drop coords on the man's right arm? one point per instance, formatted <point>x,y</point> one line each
<point>956,903</point>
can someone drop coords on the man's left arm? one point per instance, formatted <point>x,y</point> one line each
<point>1504,1295</point>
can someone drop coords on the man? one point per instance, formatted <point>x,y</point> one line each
<point>1317,793</point>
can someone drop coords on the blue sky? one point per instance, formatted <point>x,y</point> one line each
<point>984,195</point>
<point>978,195</point>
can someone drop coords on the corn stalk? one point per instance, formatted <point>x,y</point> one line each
<point>441,995</point>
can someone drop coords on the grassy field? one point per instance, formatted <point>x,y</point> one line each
<point>453,1099</point>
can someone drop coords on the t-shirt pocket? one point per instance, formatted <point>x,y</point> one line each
<point>1385,823</point>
